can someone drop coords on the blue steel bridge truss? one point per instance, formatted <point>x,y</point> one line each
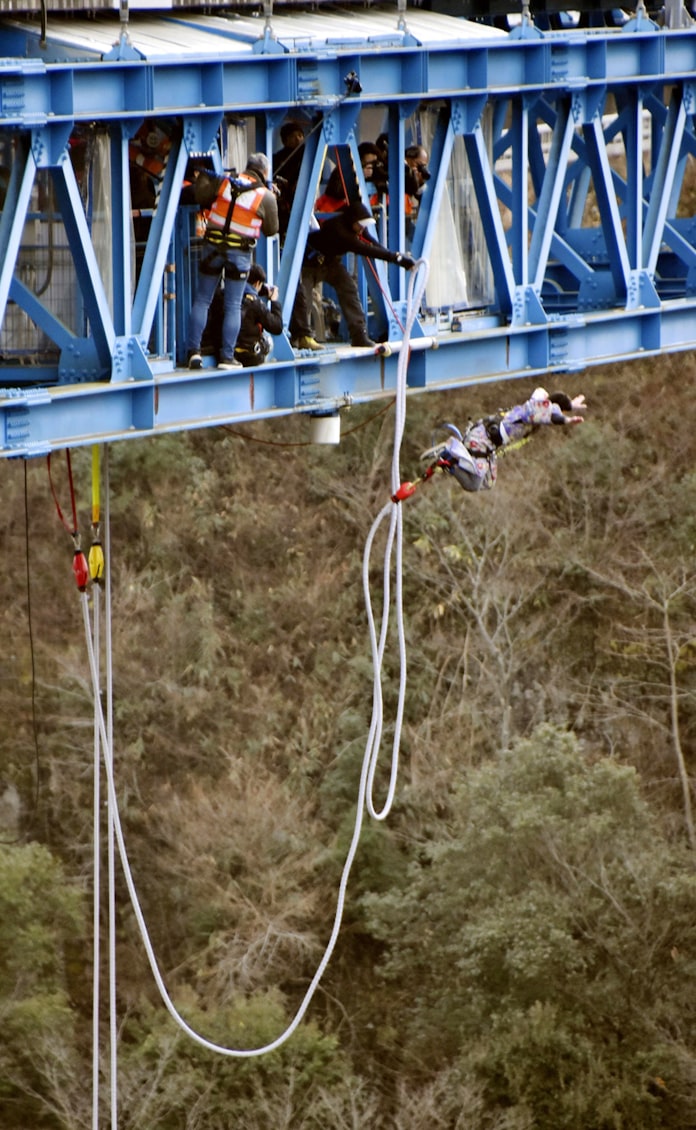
<point>558,221</point>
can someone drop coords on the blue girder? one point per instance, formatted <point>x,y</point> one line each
<point>575,146</point>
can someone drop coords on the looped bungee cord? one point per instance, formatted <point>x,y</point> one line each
<point>220,1049</point>
<point>104,736</point>
<point>369,765</point>
<point>417,280</point>
<point>83,573</point>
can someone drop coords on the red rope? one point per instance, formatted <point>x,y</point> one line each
<point>385,296</point>
<point>72,531</point>
<point>340,172</point>
<point>80,565</point>
<point>368,241</point>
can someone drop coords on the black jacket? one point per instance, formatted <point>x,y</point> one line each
<point>257,316</point>
<point>287,164</point>
<point>336,238</point>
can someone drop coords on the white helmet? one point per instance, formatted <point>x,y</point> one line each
<point>540,406</point>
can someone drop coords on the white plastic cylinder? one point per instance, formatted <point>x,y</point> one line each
<point>325,429</point>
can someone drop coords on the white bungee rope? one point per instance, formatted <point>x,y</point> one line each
<point>112,810</point>
<point>106,748</point>
<point>96,885</point>
<point>417,281</point>
<point>416,287</point>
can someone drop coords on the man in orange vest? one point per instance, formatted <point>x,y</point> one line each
<point>148,153</point>
<point>240,210</point>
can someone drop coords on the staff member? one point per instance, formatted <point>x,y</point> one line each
<point>241,209</point>
<point>338,236</point>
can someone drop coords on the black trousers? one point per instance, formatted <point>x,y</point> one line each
<point>333,272</point>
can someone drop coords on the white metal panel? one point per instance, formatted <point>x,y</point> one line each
<point>215,36</point>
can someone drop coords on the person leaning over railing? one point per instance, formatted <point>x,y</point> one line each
<point>323,262</point>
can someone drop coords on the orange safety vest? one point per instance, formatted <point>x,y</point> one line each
<point>151,158</point>
<point>152,163</point>
<point>234,217</point>
<point>326,203</point>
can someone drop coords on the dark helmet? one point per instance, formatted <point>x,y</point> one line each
<point>288,128</point>
<point>562,400</point>
<point>358,212</point>
<point>366,147</point>
<point>256,274</point>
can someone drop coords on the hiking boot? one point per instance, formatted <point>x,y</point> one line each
<point>308,342</point>
<point>229,363</point>
<point>195,361</point>
<point>363,342</point>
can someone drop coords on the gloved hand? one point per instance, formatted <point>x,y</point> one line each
<point>405,261</point>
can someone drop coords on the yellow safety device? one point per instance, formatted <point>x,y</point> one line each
<point>95,559</point>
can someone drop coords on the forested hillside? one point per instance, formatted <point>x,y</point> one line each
<point>518,948</point>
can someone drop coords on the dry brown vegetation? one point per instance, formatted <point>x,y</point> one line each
<point>564,599</point>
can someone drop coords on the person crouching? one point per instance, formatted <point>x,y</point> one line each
<point>261,315</point>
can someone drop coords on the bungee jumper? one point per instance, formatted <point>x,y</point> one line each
<point>472,457</point>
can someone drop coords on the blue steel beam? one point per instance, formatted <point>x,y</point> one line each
<point>159,238</point>
<point>120,241</point>
<point>182,400</point>
<point>44,319</point>
<point>34,92</point>
<point>567,295</point>
<point>302,210</point>
<point>550,192</point>
<point>98,347</point>
<point>484,185</point>
<point>663,181</point>
<point>14,214</point>
<point>440,155</point>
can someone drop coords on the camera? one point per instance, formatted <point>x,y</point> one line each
<point>352,83</point>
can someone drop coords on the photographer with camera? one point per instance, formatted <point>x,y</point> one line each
<point>262,314</point>
<point>334,197</point>
<point>417,175</point>
<point>374,171</point>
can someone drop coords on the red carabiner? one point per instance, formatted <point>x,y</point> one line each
<point>404,491</point>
